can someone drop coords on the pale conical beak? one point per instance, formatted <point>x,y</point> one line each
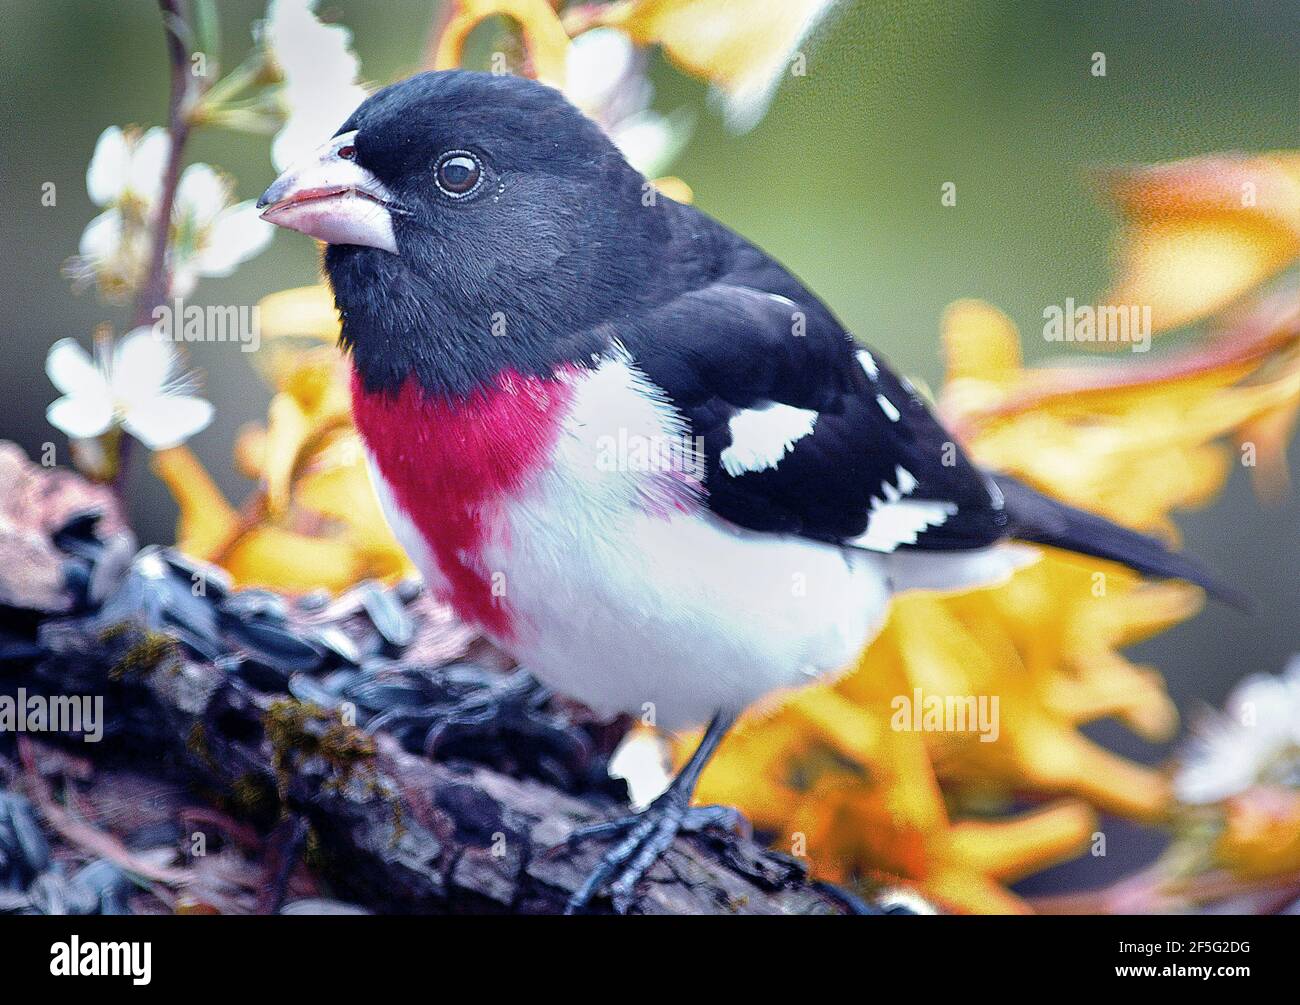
<point>332,198</point>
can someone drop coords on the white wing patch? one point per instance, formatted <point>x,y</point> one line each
<point>896,520</point>
<point>760,437</point>
<point>868,362</point>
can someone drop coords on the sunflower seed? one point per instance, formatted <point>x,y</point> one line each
<point>387,614</point>
<point>275,644</point>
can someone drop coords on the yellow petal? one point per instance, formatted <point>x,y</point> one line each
<point>250,450</point>
<point>979,342</point>
<point>1062,761</point>
<point>1267,185</point>
<point>207,521</point>
<point>847,727</point>
<point>743,47</point>
<point>287,432</point>
<point>1269,435</point>
<point>1205,231</point>
<point>279,559</point>
<point>1010,849</point>
<point>966,891</point>
<point>544,36</point>
<point>675,189</point>
<point>307,311</point>
<point>1187,268</point>
<point>343,493</point>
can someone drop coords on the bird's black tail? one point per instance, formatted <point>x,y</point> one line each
<point>1042,520</point>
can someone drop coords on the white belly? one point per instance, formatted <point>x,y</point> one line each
<point>625,593</point>
<point>677,619</point>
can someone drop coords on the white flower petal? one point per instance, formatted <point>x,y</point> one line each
<point>148,162</point>
<point>201,195</point>
<point>649,141</point>
<point>597,63</point>
<point>320,71</point>
<point>102,238</point>
<point>72,371</point>
<point>82,416</point>
<point>167,420</point>
<point>106,175</point>
<point>307,50</point>
<point>311,122</point>
<point>236,236</point>
<point>184,277</point>
<point>142,366</point>
<point>1230,751</point>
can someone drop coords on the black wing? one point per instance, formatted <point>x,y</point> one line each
<point>804,431</point>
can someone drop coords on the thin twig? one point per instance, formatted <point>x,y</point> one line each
<point>154,289</point>
<point>94,842</point>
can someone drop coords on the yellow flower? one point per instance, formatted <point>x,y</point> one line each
<point>742,47</point>
<point>835,775</point>
<point>314,520</point>
<point>1133,441</point>
<point>1202,232</point>
<point>545,38</point>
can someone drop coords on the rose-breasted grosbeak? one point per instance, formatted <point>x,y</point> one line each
<point>620,438</point>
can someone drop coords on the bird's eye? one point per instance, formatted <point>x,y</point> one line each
<point>458,173</point>
<point>348,152</point>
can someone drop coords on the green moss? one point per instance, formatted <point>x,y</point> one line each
<point>197,744</point>
<point>298,730</point>
<point>250,796</point>
<point>314,853</point>
<point>147,651</point>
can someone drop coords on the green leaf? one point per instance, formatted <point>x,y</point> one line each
<point>207,32</point>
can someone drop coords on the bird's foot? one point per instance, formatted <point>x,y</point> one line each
<point>641,839</point>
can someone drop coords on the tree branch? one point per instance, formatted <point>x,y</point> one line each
<point>153,291</point>
<point>426,809</point>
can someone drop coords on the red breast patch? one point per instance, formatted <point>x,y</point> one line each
<point>452,464</point>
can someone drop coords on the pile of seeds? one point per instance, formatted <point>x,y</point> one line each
<point>377,658</point>
<point>258,753</point>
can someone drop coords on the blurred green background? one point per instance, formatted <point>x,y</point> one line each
<point>841,180</point>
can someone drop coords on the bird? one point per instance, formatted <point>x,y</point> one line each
<point>625,442</point>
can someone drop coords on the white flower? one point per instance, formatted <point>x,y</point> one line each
<point>320,74</point>
<point>208,236</point>
<point>605,77</point>
<point>604,74</point>
<point>138,387</point>
<point>1255,739</point>
<point>127,166</point>
<point>123,178</point>
<point>211,237</point>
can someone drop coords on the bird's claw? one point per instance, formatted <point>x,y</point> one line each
<point>642,838</point>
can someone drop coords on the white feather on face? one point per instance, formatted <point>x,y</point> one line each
<point>760,437</point>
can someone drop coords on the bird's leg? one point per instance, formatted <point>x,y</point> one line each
<point>644,836</point>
